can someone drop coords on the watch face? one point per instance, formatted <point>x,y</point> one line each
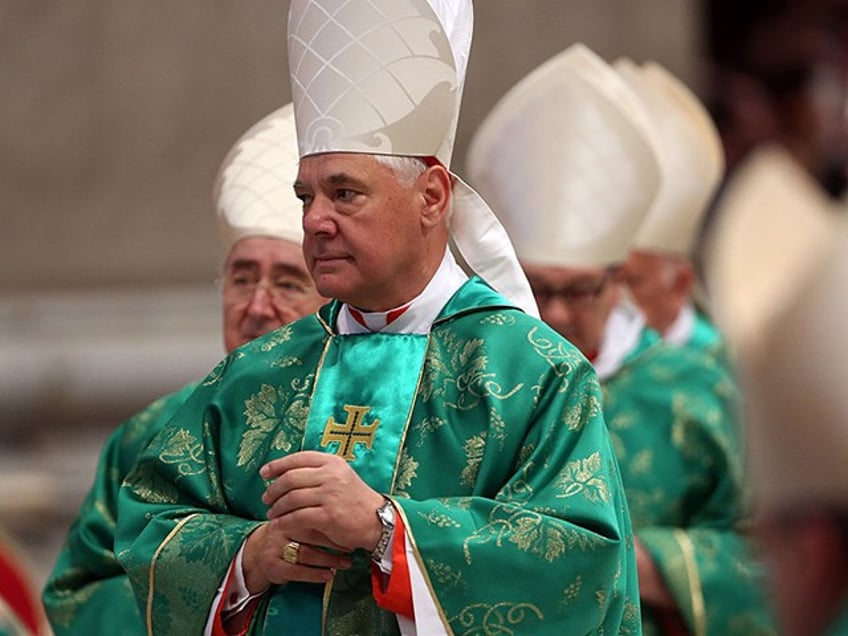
<point>386,512</point>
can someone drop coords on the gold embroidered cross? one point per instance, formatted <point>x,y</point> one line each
<point>353,431</point>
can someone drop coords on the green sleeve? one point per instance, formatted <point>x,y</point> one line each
<point>88,590</point>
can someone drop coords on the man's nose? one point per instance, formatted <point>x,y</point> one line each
<point>317,217</point>
<point>261,302</point>
<point>557,311</point>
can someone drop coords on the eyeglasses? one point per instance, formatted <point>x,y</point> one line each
<point>579,296</point>
<point>284,288</point>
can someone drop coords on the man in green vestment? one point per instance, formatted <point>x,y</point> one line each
<point>588,174</point>
<point>659,271</point>
<point>264,284</point>
<point>424,455</point>
<point>786,319</point>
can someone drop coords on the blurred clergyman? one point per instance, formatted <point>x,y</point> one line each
<point>264,284</point>
<point>786,315</point>
<point>659,271</point>
<point>587,175</point>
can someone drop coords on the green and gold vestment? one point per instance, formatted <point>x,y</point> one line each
<point>504,474</point>
<point>88,591</point>
<point>673,416</point>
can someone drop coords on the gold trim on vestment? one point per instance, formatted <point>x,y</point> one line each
<point>161,547</point>
<point>699,616</point>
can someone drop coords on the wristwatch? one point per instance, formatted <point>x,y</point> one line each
<point>386,515</point>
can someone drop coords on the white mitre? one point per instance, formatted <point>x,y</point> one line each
<point>690,153</point>
<point>253,192</point>
<point>567,160</point>
<point>777,266</point>
<point>386,77</point>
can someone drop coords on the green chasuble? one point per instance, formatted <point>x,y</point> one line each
<point>673,416</point>
<point>88,591</point>
<point>705,336</point>
<point>501,467</point>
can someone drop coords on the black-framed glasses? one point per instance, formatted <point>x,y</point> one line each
<point>577,296</point>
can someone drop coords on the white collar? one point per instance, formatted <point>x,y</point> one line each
<point>621,336</point>
<point>421,312</point>
<point>680,331</point>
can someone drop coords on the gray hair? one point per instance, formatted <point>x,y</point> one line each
<point>405,169</point>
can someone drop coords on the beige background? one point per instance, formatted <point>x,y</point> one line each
<point>114,117</point>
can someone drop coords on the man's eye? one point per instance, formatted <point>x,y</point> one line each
<point>345,194</point>
<point>305,199</point>
<point>241,280</point>
<point>288,285</point>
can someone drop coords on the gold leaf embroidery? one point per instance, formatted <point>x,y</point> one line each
<point>444,573</point>
<point>582,477</point>
<point>407,471</point>
<point>275,338</point>
<point>572,591</point>
<point>440,520</point>
<point>474,449</point>
<point>481,619</point>
<point>149,486</point>
<point>261,417</point>
<point>184,450</point>
<point>428,426</point>
<point>456,373</point>
<point>498,319</point>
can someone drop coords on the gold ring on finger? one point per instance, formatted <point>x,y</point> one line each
<point>291,552</point>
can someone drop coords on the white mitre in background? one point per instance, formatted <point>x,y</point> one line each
<point>567,159</point>
<point>690,153</point>
<point>253,192</point>
<point>777,266</point>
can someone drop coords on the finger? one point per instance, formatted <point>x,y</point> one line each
<point>302,459</point>
<point>319,558</point>
<point>304,535</point>
<point>295,479</point>
<point>295,500</point>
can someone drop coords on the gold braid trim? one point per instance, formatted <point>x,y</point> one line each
<point>699,616</point>
<point>161,547</point>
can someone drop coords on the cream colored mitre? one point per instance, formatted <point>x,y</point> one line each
<point>386,77</point>
<point>253,192</point>
<point>777,266</point>
<point>769,230</point>
<point>568,161</point>
<point>690,153</point>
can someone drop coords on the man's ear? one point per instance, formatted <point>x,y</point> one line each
<point>684,279</point>
<point>436,190</point>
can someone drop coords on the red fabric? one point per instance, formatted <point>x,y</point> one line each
<point>358,317</point>
<point>237,624</point>
<point>17,592</point>
<point>394,594</point>
<point>394,314</point>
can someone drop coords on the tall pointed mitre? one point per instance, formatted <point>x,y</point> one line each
<point>386,77</point>
<point>567,159</point>
<point>690,153</point>
<point>253,193</point>
<point>777,267</point>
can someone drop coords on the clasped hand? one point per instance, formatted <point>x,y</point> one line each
<point>317,500</point>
